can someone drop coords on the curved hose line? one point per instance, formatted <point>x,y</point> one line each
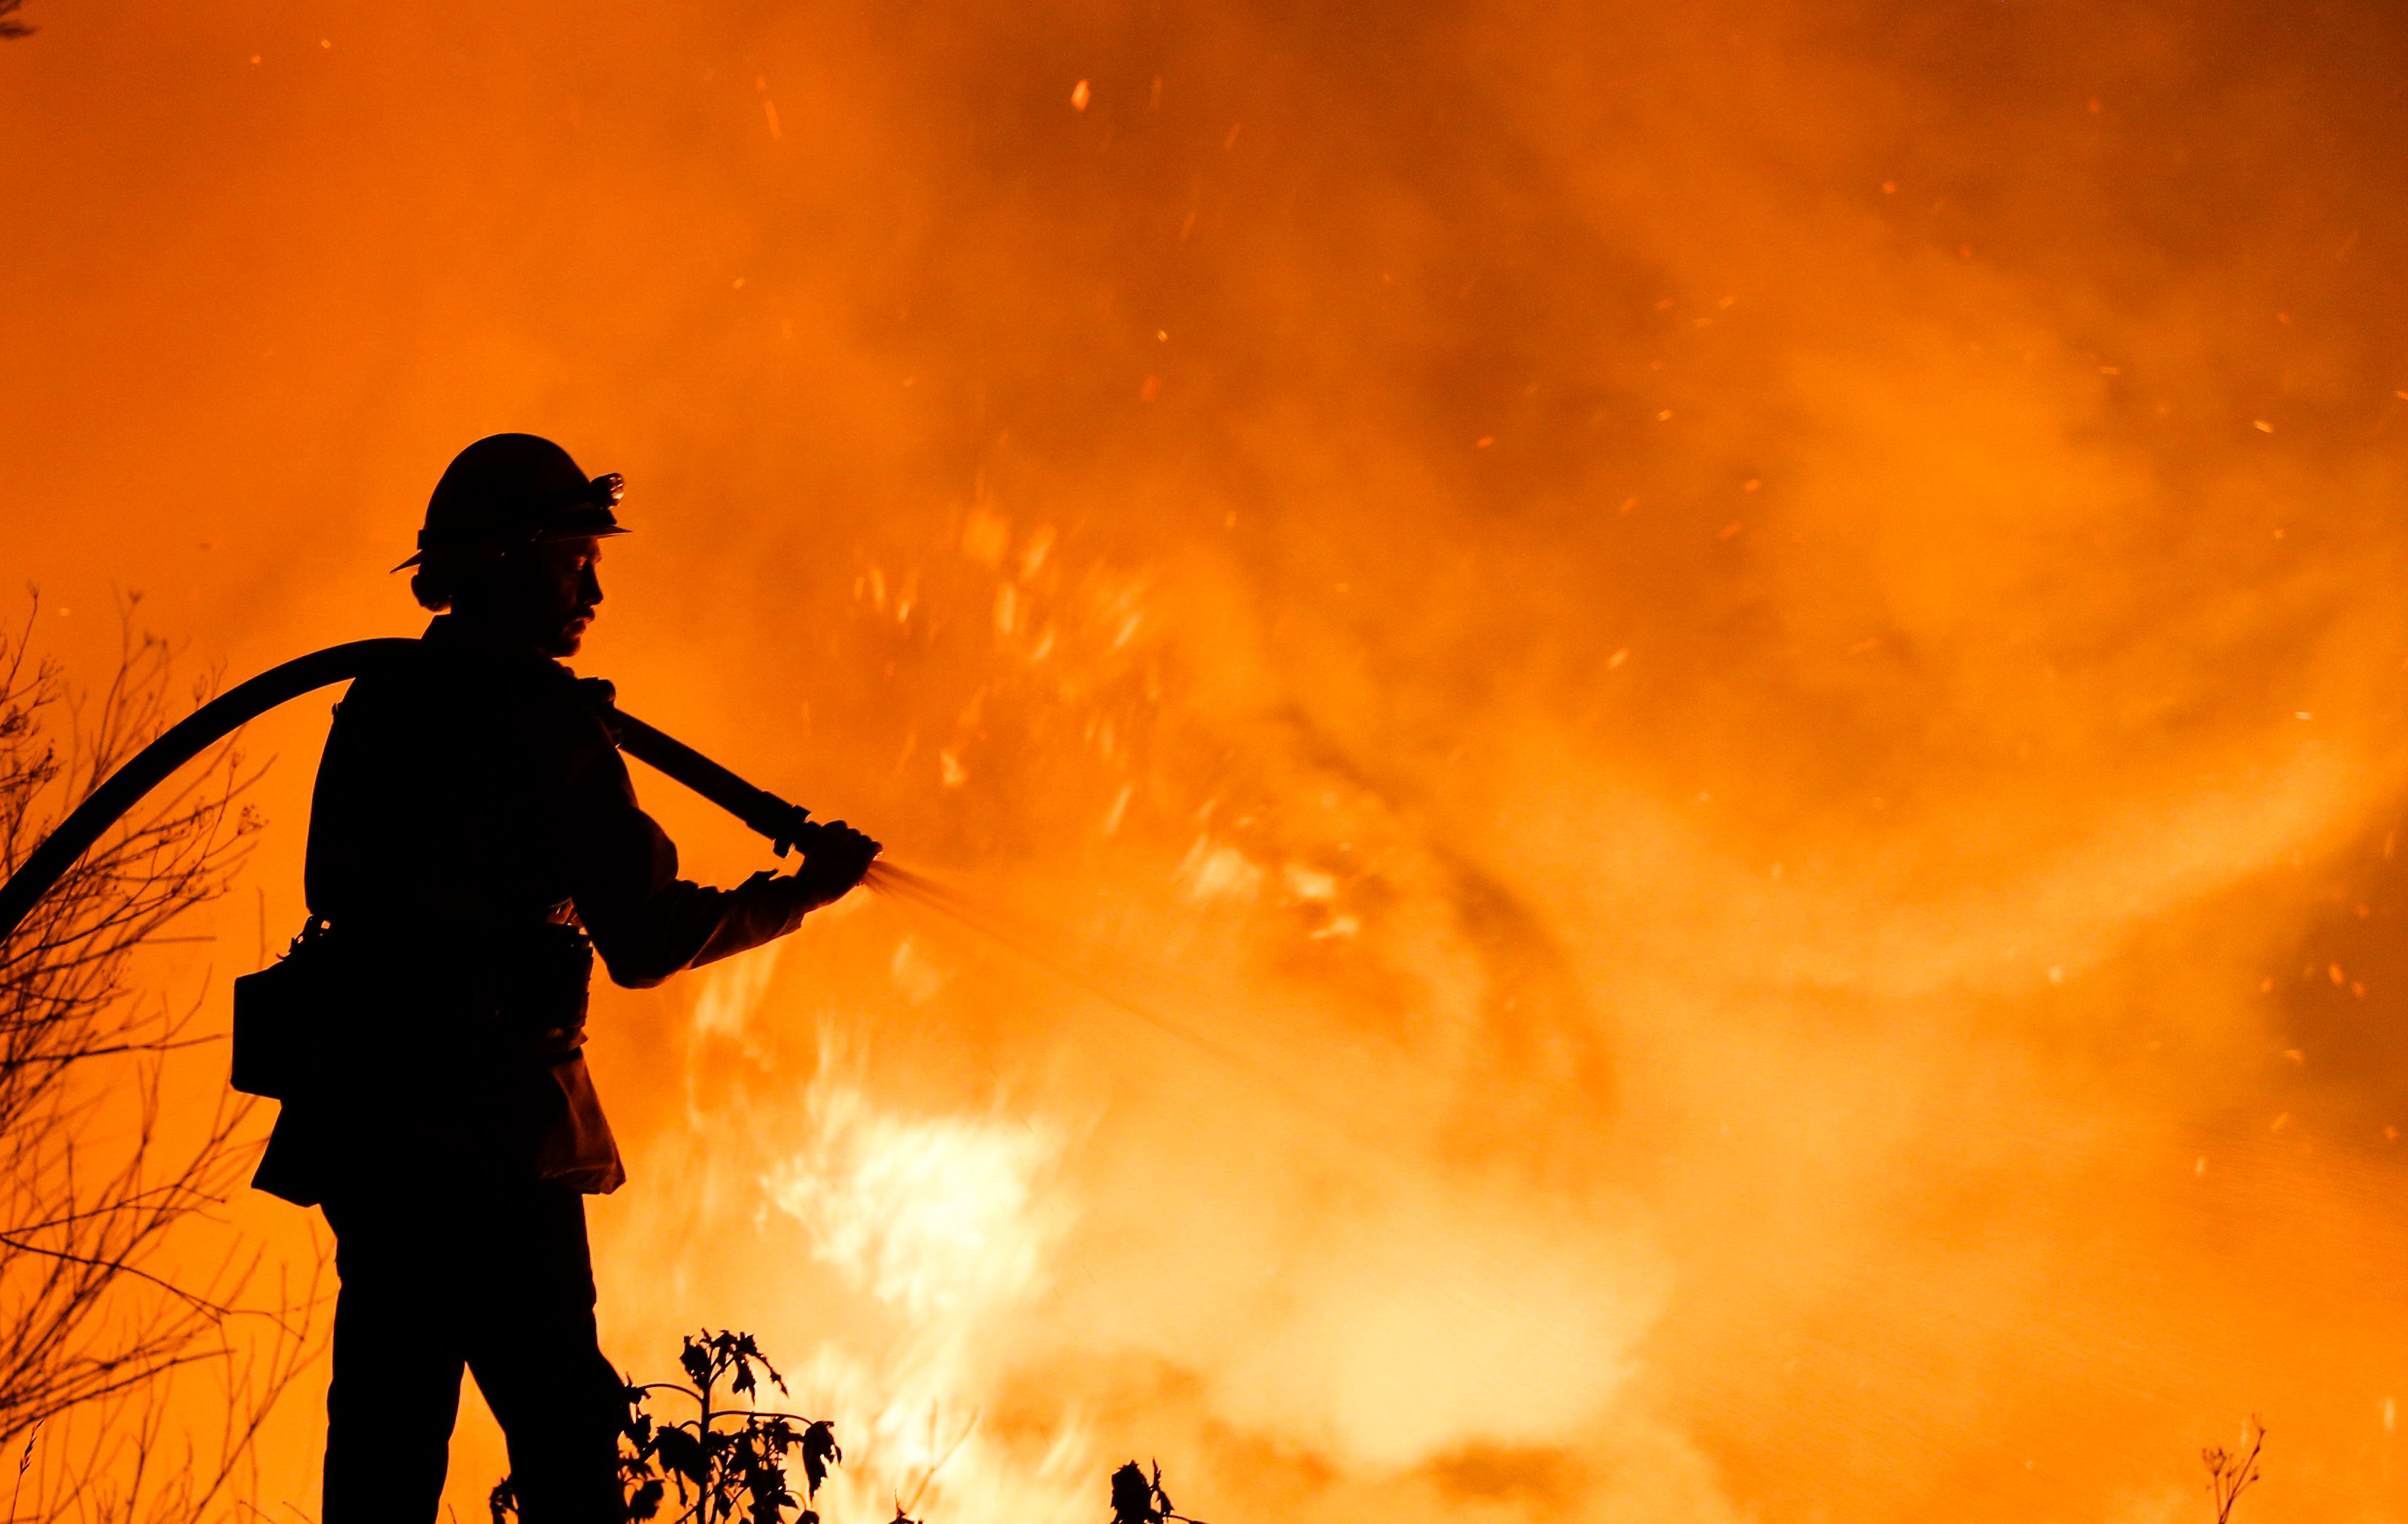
<point>785,825</point>
<point>184,740</point>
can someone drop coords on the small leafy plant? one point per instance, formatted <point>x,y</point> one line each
<point>730,1460</point>
<point>1138,1498</point>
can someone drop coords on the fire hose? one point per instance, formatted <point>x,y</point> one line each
<point>786,826</point>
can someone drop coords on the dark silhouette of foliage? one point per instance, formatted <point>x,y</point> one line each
<point>2229,1475</point>
<point>1138,1497</point>
<point>729,1461</point>
<point>9,25</point>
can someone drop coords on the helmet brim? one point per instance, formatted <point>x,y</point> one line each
<point>547,535</point>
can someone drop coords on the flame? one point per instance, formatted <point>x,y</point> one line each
<point>934,1216</point>
<point>949,1225</point>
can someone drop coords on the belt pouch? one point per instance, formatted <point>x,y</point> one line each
<point>279,1017</point>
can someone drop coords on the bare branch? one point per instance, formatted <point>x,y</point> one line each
<point>98,1321</point>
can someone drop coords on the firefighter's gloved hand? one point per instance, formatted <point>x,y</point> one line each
<point>835,860</point>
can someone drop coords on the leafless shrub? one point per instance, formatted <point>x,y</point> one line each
<point>98,1171</point>
<point>2229,1475</point>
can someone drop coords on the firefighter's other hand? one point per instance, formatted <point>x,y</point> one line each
<point>837,858</point>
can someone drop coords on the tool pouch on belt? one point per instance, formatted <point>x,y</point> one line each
<point>279,1016</point>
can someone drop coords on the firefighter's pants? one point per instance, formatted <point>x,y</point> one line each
<point>497,1280</point>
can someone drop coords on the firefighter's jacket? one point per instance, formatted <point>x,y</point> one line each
<point>473,826</point>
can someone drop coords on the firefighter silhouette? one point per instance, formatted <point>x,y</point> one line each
<point>474,843</point>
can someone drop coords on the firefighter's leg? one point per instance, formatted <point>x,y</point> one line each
<point>396,1382</point>
<point>532,1349</point>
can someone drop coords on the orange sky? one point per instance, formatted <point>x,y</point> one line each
<point>1752,652</point>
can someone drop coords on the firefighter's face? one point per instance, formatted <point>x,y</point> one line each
<point>559,591</point>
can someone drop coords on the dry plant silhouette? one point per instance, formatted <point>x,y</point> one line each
<point>730,1460</point>
<point>1138,1498</point>
<point>2229,1475</point>
<point>96,1319</point>
<point>9,25</point>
